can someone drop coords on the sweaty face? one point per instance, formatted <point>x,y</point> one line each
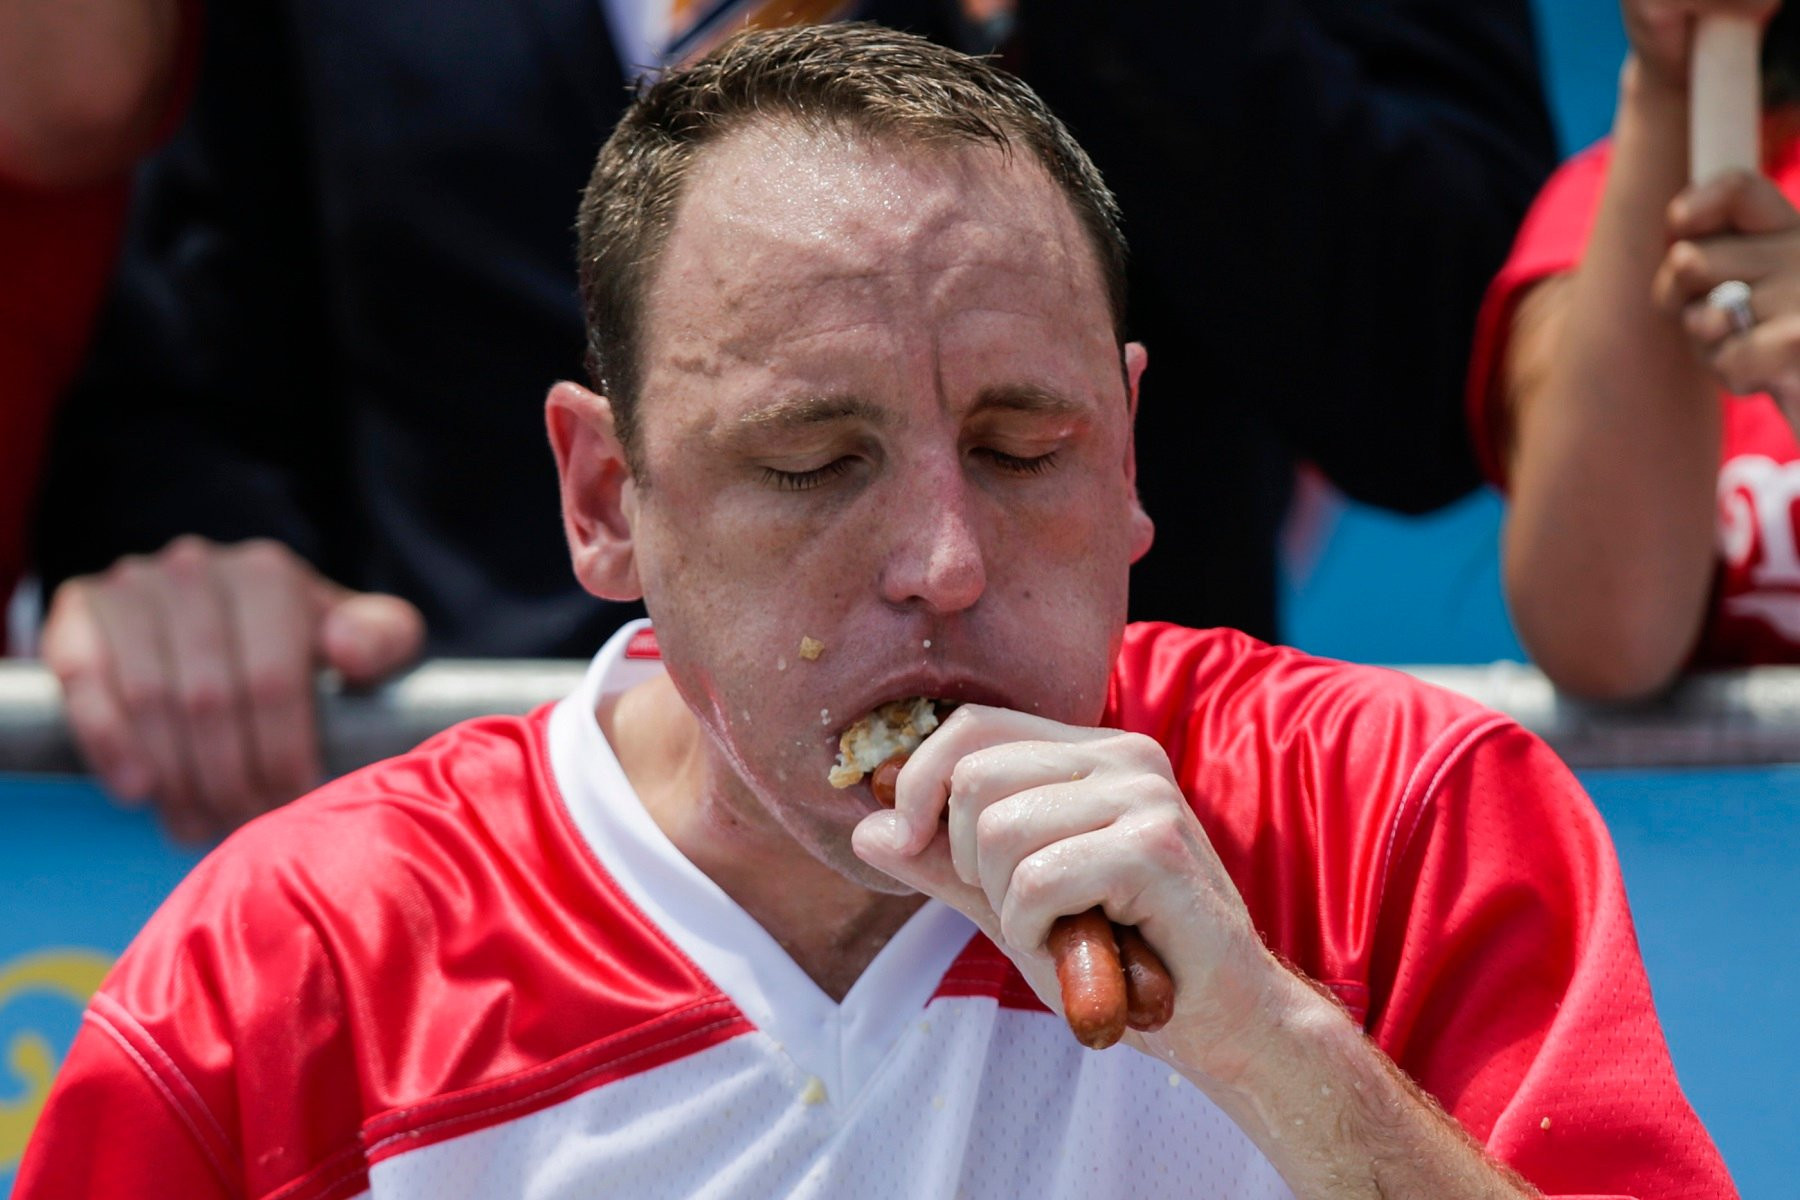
<point>882,409</point>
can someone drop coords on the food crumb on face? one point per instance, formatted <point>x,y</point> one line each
<point>1544,1124</point>
<point>811,648</point>
<point>781,663</point>
<point>926,643</point>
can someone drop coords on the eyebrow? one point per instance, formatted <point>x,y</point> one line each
<point>1028,398</point>
<point>803,412</point>
<point>800,412</point>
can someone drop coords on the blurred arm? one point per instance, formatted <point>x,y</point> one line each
<point>84,85</point>
<point>1615,427</point>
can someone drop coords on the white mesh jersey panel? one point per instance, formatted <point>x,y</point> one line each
<point>974,1100</point>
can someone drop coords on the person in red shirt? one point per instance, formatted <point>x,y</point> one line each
<point>84,90</point>
<point>1647,446</point>
<point>863,433</point>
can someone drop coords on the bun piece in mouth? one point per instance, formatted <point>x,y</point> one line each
<point>893,728</point>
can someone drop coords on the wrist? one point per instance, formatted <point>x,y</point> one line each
<point>1299,1024</point>
<point>1644,87</point>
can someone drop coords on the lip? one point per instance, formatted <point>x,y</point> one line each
<point>960,687</point>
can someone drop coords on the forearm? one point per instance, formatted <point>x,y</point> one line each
<point>84,85</point>
<point>1615,446</point>
<point>1340,1121</point>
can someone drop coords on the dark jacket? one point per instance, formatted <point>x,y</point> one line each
<point>349,281</point>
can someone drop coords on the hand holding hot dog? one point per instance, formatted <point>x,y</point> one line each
<point>1738,227</point>
<point>1017,821</point>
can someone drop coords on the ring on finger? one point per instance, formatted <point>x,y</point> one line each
<point>1733,299</point>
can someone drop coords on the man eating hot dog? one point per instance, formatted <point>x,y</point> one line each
<point>861,433</point>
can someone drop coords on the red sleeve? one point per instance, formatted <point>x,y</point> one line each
<point>1550,242</point>
<point>1508,982</point>
<point>116,1126</point>
<point>216,1059</point>
<point>1447,878</point>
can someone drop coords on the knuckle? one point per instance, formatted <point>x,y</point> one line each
<point>263,554</point>
<point>968,776</point>
<point>71,664</point>
<point>991,827</point>
<point>1685,259</point>
<point>1032,881</point>
<point>128,573</point>
<point>142,694</point>
<point>1161,842</point>
<point>206,696</point>
<point>269,685</point>
<point>187,554</point>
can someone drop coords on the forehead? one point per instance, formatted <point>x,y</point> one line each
<point>784,230</point>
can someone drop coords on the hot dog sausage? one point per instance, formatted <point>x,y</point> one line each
<point>1108,980</point>
<point>1092,981</point>
<point>1149,992</point>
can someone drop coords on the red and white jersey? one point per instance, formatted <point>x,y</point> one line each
<point>1754,614</point>
<point>481,970</point>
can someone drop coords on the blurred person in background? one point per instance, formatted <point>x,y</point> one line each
<point>350,276</point>
<point>1643,427</point>
<point>85,88</point>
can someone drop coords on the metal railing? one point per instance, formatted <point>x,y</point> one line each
<point>1719,719</point>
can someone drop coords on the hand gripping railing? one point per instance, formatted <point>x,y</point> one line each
<point>1718,719</point>
<point>355,727</point>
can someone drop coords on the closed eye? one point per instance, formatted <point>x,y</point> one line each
<point>1013,464</point>
<point>801,481</point>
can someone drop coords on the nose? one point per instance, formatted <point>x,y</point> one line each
<point>938,561</point>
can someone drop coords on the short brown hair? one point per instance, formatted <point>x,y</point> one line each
<point>865,78</point>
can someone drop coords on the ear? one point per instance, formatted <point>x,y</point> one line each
<point>1143,530</point>
<point>599,495</point>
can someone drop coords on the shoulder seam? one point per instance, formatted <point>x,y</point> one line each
<point>106,1026</point>
<point>1444,752</point>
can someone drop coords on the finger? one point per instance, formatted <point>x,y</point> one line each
<point>1708,325</point>
<point>1692,269</point>
<point>878,841</point>
<point>74,649</point>
<point>1012,826</point>
<point>367,636</point>
<point>1071,875</point>
<point>923,787</point>
<point>209,709</point>
<point>1766,359</point>
<point>989,776</point>
<point>272,618</point>
<point>129,612</point>
<point>1737,202</point>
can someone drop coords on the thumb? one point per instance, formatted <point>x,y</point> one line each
<point>880,839</point>
<point>367,636</point>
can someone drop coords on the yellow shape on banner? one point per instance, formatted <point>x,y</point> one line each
<point>73,975</point>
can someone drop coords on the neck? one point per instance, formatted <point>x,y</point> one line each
<point>831,926</point>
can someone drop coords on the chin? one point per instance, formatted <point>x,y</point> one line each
<point>877,881</point>
<point>842,859</point>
